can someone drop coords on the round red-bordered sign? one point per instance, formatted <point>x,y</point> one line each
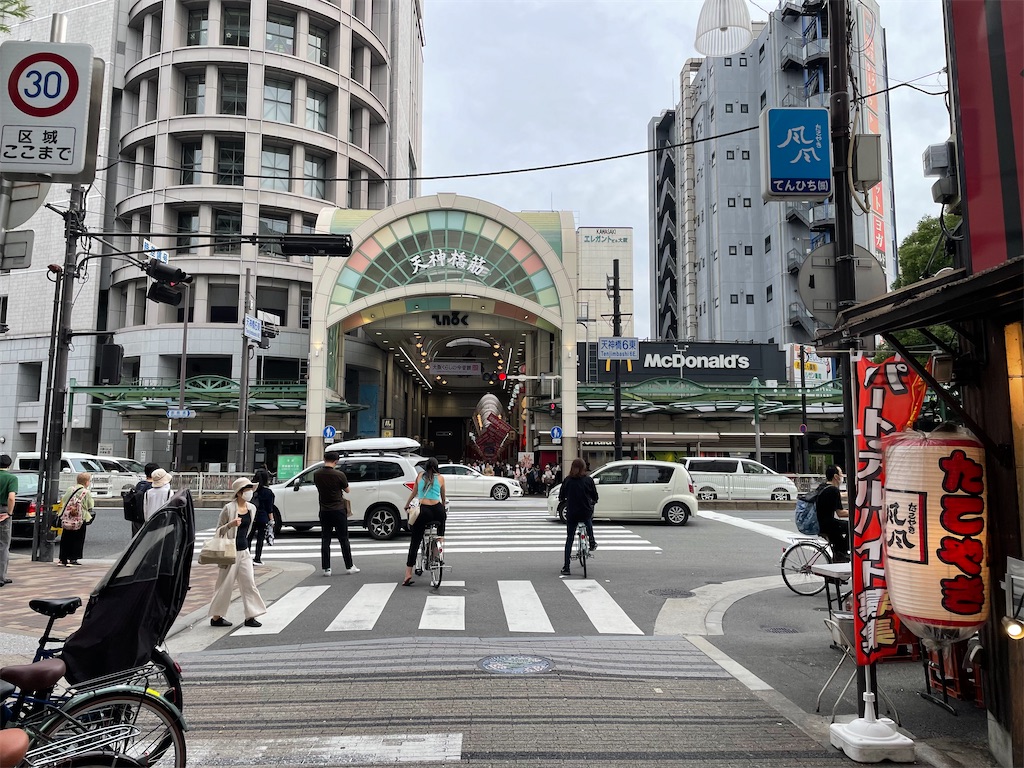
<point>54,109</point>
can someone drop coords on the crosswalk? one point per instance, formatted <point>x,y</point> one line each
<point>469,531</point>
<point>525,612</point>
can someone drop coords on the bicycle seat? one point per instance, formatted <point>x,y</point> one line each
<point>56,607</point>
<point>34,677</point>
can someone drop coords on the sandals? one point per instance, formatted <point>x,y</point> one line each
<point>408,582</point>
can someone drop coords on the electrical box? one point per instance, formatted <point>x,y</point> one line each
<point>867,161</point>
<point>937,159</point>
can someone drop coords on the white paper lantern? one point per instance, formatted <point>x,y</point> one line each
<point>723,27</point>
<point>935,524</point>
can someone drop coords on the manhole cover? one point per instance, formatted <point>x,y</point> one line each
<point>516,664</point>
<point>781,630</point>
<point>670,592</point>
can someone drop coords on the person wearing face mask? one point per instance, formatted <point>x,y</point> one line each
<point>237,516</point>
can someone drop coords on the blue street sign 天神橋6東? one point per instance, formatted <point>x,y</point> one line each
<point>796,154</point>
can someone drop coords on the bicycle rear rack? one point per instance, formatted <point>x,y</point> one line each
<point>90,741</point>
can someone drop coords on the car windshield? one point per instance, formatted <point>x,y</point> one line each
<point>132,465</point>
<point>27,483</point>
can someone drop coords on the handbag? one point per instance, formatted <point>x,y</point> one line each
<point>218,550</point>
<point>414,512</point>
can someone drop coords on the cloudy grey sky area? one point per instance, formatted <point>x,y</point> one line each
<point>520,83</point>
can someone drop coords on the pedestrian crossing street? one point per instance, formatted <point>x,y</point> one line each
<point>469,530</point>
<point>523,609</point>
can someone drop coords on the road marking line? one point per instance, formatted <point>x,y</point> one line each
<point>444,613</point>
<point>371,749</point>
<point>364,609</point>
<point>283,611</point>
<point>602,610</point>
<point>524,611</point>
<point>739,522</point>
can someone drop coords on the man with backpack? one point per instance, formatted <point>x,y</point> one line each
<point>134,499</point>
<point>828,504</point>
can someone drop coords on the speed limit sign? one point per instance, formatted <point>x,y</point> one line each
<point>45,91</point>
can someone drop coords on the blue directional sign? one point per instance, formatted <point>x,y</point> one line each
<point>253,328</point>
<point>556,433</point>
<point>329,432</point>
<point>154,253</point>
<point>618,348</point>
<point>180,413</point>
<point>796,154</point>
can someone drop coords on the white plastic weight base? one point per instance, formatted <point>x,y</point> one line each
<point>871,740</point>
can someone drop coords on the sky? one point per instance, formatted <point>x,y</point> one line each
<point>522,83</point>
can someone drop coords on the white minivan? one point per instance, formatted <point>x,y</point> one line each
<point>721,477</point>
<point>71,464</point>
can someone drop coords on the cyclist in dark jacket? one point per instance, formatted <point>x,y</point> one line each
<point>578,494</point>
<point>263,498</point>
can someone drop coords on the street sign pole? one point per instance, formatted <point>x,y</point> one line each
<point>617,331</point>
<point>178,436</point>
<point>243,388</point>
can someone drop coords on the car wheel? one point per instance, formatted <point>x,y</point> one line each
<point>382,523</point>
<point>781,494</point>
<point>677,513</point>
<point>302,528</point>
<point>561,515</point>
<point>499,492</point>
<point>707,494</point>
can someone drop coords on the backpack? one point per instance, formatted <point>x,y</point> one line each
<point>71,517</point>
<point>807,512</point>
<point>134,502</point>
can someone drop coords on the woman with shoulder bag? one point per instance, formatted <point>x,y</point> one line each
<point>578,495</point>
<point>76,513</point>
<point>429,488</point>
<point>236,519</point>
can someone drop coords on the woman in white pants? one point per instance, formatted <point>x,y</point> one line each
<point>236,518</point>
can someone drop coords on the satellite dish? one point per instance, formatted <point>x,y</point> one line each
<point>817,281</point>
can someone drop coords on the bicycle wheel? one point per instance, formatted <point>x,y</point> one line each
<point>796,567</point>
<point>582,550</point>
<point>436,567</point>
<point>160,737</point>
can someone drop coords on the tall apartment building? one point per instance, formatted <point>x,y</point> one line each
<point>221,120</point>
<point>724,262</point>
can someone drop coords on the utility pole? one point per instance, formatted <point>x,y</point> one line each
<point>805,453</point>
<point>846,289</point>
<point>243,388</point>
<point>178,436</point>
<point>617,332</point>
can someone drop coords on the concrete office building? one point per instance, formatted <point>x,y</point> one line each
<point>723,262</point>
<point>220,120</point>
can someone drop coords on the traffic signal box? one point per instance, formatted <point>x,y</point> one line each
<point>166,282</point>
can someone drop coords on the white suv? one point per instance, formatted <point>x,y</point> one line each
<point>722,477</point>
<point>379,486</point>
<point>638,490</point>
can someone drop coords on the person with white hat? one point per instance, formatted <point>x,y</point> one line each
<point>158,494</point>
<point>237,516</point>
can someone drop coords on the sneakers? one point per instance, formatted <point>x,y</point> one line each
<point>565,571</point>
<point>593,546</point>
<point>252,623</point>
<point>353,569</point>
<point>220,622</point>
<point>327,571</point>
<point>257,562</point>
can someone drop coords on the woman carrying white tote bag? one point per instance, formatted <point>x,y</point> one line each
<point>237,517</point>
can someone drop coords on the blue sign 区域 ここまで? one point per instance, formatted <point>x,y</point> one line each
<point>797,153</point>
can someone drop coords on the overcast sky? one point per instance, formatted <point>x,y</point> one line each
<point>521,83</point>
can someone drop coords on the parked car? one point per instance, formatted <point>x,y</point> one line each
<point>122,477</point>
<point>721,477</point>
<point>379,486</point>
<point>460,480</point>
<point>24,505</point>
<point>639,490</point>
<point>70,465</point>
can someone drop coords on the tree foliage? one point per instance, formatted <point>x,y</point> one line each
<point>921,254</point>
<point>12,9</point>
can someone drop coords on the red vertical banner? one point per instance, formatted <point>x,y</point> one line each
<point>889,396</point>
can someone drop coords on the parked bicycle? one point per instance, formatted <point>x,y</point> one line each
<point>798,557</point>
<point>582,551</point>
<point>431,556</point>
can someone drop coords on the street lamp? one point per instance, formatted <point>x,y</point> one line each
<point>723,27</point>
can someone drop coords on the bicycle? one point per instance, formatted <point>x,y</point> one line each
<point>160,661</point>
<point>797,559</point>
<point>118,718</point>
<point>431,556</point>
<point>582,552</point>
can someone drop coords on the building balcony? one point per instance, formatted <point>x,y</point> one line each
<point>800,212</point>
<point>794,258</point>
<point>823,216</point>
<point>799,317</point>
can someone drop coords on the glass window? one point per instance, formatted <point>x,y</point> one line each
<point>712,114</point>
<point>360,471</point>
<point>732,202</point>
<point>223,302</point>
<point>764,98</point>
<point>743,61</point>
<point>281,33</point>
<point>728,108</point>
<point>230,162</point>
<point>315,170</point>
<point>732,250</point>
<point>767,243</point>
<point>195,95</point>
<point>191,162</point>
<point>750,298</point>
<point>316,110</point>
<point>651,473</point>
<point>728,61</point>
<point>748,250</point>
<point>734,298</point>
<point>768,294</point>
<point>227,223</point>
<point>275,168</point>
<point>760,53</point>
<point>272,224</point>
<point>744,109</point>
<point>751,468</point>
<point>389,470</point>
<point>277,100</point>
<point>746,202</point>
<point>613,476</point>
<point>198,26</point>
<point>745,154</point>
<point>188,221</point>
<point>236,27</point>
<point>233,94</point>
<point>730,154</point>
<point>318,49</point>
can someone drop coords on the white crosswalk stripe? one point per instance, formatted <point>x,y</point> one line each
<point>524,610</point>
<point>467,531</point>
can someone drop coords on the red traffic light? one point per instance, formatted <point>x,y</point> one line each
<point>502,376</point>
<point>552,406</point>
